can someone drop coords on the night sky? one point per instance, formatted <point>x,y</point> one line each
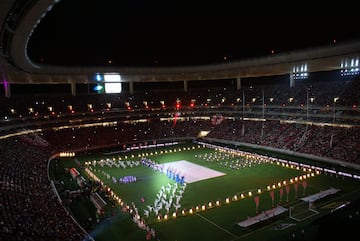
<point>178,33</point>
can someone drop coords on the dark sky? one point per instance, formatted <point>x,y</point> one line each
<point>171,33</point>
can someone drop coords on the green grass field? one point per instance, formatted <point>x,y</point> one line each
<point>215,223</point>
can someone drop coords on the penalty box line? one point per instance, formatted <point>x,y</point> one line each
<point>211,222</point>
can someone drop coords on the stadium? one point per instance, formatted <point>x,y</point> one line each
<point>266,148</point>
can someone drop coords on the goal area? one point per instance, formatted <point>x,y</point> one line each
<point>306,208</point>
<point>302,210</point>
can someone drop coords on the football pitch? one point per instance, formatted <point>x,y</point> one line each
<point>196,192</point>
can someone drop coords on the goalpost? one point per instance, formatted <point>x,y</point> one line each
<point>302,211</point>
<point>306,208</point>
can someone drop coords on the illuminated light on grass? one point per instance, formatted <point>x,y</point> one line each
<point>204,207</point>
<point>158,182</point>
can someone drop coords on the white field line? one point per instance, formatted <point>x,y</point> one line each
<point>223,229</point>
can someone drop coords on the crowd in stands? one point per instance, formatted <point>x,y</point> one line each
<point>308,99</point>
<point>30,209</point>
<point>276,116</point>
<point>337,143</point>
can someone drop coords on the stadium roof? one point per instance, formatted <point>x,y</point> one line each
<point>20,18</point>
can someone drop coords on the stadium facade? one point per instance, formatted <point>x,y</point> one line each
<point>302,103</point>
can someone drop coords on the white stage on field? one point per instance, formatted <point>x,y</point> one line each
<point>191,171</point>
